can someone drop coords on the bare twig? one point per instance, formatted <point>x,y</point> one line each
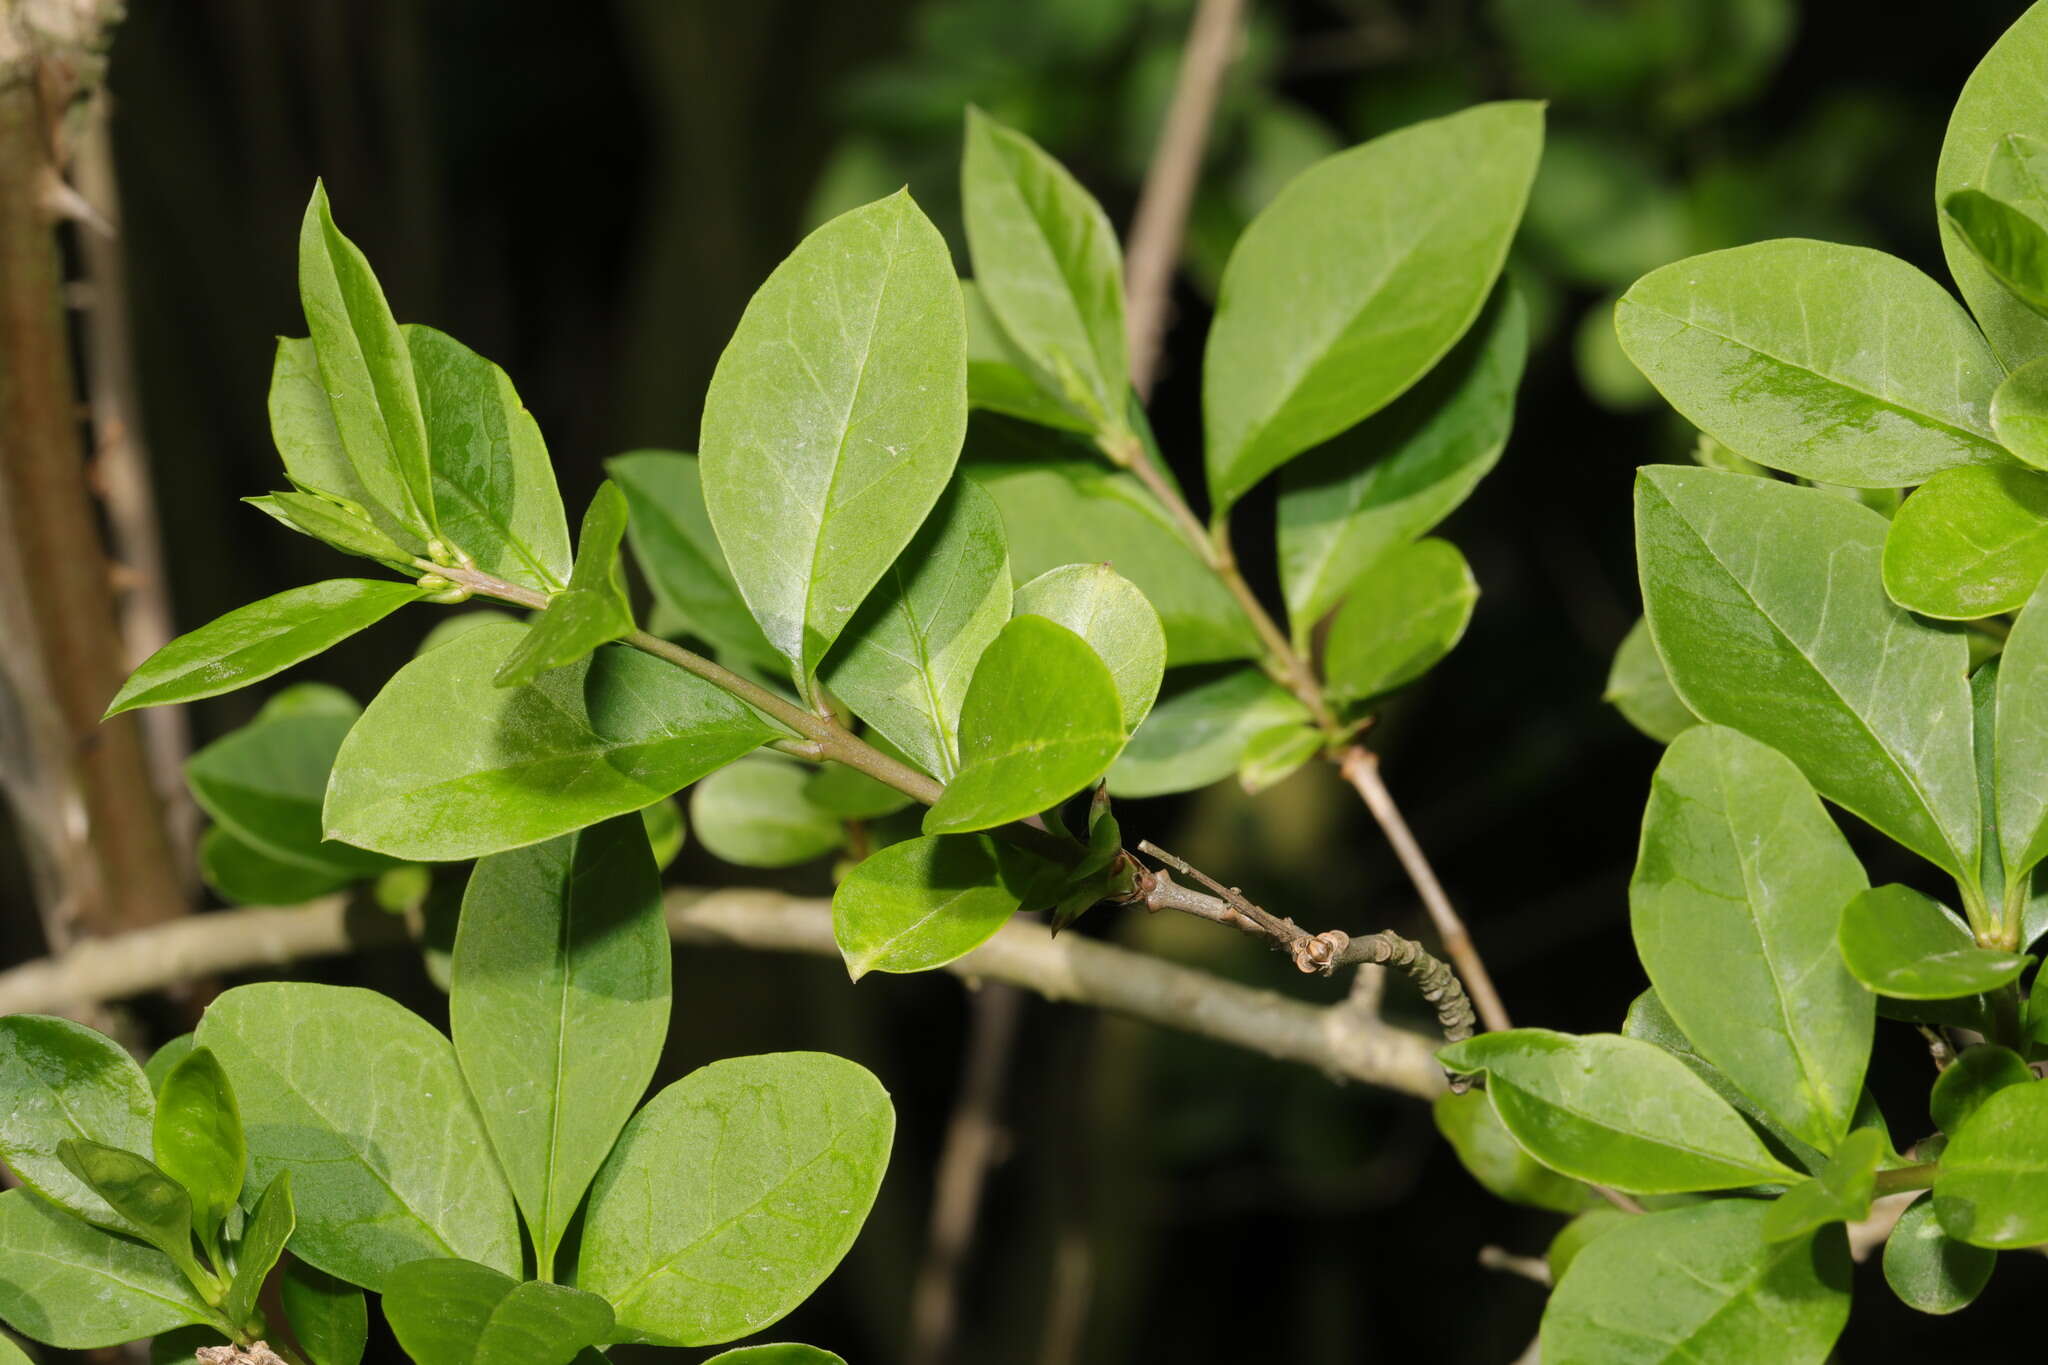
<point>1528,1267</point>
<point>1161,219</point>
<point>1072,969</point>
<point>1361,768</point>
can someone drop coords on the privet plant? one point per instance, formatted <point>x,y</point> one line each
<point>1871,631</point>
<point>940,669</point>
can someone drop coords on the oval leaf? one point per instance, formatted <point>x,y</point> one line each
<point>63,1081</point>
<point>1993,1187</point>
<point>1106,609</point>
<point>1973,1077</point>
<point>1403,614</point>
<point>198,1139</point>
<point>671,534</point>
<point>1928,1269</point>
<point>1199,734</point>
<point>2005,242</point>
<point>453,1312</point>
<point>1639,688</point>
<point>2019,412</point>
<point>1901,944</point>
<point>1840,1193</point>
<point>327,1315</point>
<point>755,813</point>
<point>265,784</point>
<point>920,904</point>
<point>592,610</point>
<point>1969,543</point>
<point>69,1284</point>
<point>2021,744</point>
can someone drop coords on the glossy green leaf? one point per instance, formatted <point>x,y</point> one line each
<point>1042,720</point>
<point>494,486</point>
<point>1639,688</point>
<point>1928,1269</point>
<point>1700,1283</point>
<point>251,643</point>
<point>1060,506</point>
<point>1575,1236</point>
<point>733,1194</point>
<point>344,527</point>
<point>69,1284</point>
<point>265,783</point>
<point>1106,609</point>
<point>2002,98</point>
<point>1001,378</point>
<point>1899,943</point>
<point>593,610</point>
<point>834,419</point>
<point>422,780</point>
<point>366,369</point>
<point>1992,1190</point>
<point>920,904</point>
<point>2022,739</point>
<point>198,1141</point>
<point>165,1060</point>
<point>302,426</point>
<point>270,1226</point>
<point>1046,260</point>
<point>1832,362</point>
<point>776,1353</point>
<point>248,877</point>
<point>1840,1193</point>
<point>1973,1077</point>
<point>1396,475</point>
<point>671,535</point>
<point>2006,242</point>
<point>904,663</point>
<point>2019,413</point>
<point>1614,1111</point>
<point>327,1315</point>
<point>755,813</point>
<point>1764,600</point>
<point>62,1081</point>
<point>455,1312</point>
<point>1969,543</point>
<point>559,1007</point>
<point>1403,614</point>
<point>324,699</point>
<point>362,1102</point>
<point>1272,756</point>
<point>1487,1150</point>
<point>1739,883</point>
<point>148,1203</point>
<point>1355,280</point>
<point>1200,731</point>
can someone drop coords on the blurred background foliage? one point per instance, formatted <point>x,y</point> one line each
<point>588,193</point>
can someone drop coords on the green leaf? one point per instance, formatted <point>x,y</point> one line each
<point>71,1285</point>
<point>755,813</point>
<point>733,1194</point>
<point>324,699</point>
<point>776,1353</point>
<point>244,875</point>
<point>2002,103</point>
<point>1199,733</point>
<point>362,1102</point>
<point>302,426</point>
<point>1042,720</point>
<point>198,1140</point>
<point>251,643</point>
<point>1836,363</point>
<point>1639,688</point>
<point>366,370</point>
<point>1106,609</point>
<point>1072,510</point>
<point>1403,614</point>
<point>2019,413</point>
<point>1575,1236</point>
<point>149,1203</point>
<point>265,783</point>
<point>1487,1150</point>
<point>1993,1187</point>
<point>671,535</point>
<point>1928,1269</point>
<point>834,419</point>
<point>1046,261</point>
<point>1700,1284</point>
<point>559,1008</point>
<point>1614,1111</point>
<point>494,486</point>
<point>327,1315</point>
<point>904,663</point>
<point>2005,241</point>
<point>1973,1077</point>
<point>591,611</point>
<point>851,794</point>
<point>423,780</point>
<point>455,1312</point>
<point>1272,756</point>
<point>1738,886</point>
<point>1355,280</point>
<point>1969,543</point>
<point>1001,378</point>
<point>63,1081</point>
<point>342,526</point>
<point>1396,475</point>
<point>920,904</point>
<point>1840,1193</point>
<point>270,1227</point>
<point>1764,600</point>
<point>1899,943</point>
<point>165,1060</point>
<point>2022,740</point>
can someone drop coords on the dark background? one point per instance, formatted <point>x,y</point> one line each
<point>587,193</point>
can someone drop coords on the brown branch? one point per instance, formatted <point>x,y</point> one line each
<point>1161,219</point>
<point>1336,1040</point>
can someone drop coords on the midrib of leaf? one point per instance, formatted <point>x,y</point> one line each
<point>1069,298</point>
<point>336,252</point>
<point>1718,1158</point>
<point>1940,826</point>
<point>503,527</point>
<point>544,1236</point>
<point>935,708</point>
<point>1731,1295</point>
<point>62,1270</point>
<point>918,924</point>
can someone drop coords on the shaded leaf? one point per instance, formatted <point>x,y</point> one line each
<point>1106,609</point>
<point>1928,1269</point>
<point>1491,1154</point>
<point>1899,943</point>
<point>591,611</point>
<point>920,904</point>
<point>2006,242</point>
<point>755,813</point>
<point>1639,688</point>
<point>1001,378</point>
<point>456,1312</point>
<point>1403,614</point>
<point>671,534</point>
<point>148,1203</point>
<point>327,1315</point>
<point>1200,731</point>
<point>2022,740</point>
<point>1992,1190</point>
<point>1974,1076</point>
<point>1840,1193</point>
<point>270,1227</point>
<point>198,1141</point>
<point>265,784</point>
